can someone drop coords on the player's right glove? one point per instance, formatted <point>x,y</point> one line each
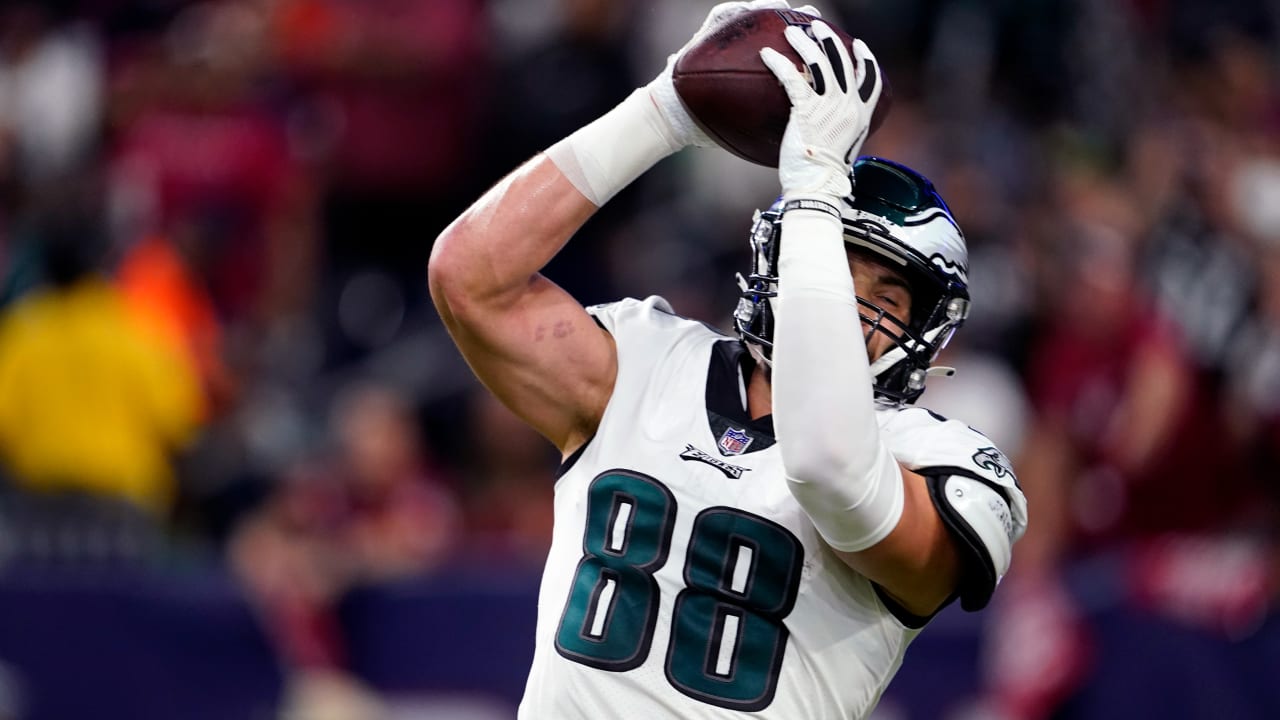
<point>609,153</point>
<point>831,112</point>
<point>662,88</point>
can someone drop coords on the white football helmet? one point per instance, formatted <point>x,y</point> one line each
<point>897,214</point>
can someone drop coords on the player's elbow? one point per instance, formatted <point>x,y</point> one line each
<point>455,272</point>
<point>443,274</point>
<point>469,277</point>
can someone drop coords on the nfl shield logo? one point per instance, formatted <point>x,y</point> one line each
<point>734,442</point>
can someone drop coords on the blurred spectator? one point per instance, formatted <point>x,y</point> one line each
<point>51,86</point>
<point>93,408</point>
<point>1108,387</point>
<point>1254,384</point>
<point>577,71</point>
<point>214,216</point>
<point>163,294</point>
<point>508,477</point>
<point>200,160</point>
<point>375,510</point>
<point>51,78</point>
<point>1132,455</point>
<point>390,99</point>
<point>405,517</point>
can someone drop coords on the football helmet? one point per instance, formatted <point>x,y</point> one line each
<point>895,213</point>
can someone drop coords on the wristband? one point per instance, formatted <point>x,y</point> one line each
<point>811,204</point>
<point>603,157</point>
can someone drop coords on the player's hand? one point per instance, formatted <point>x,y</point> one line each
<point>830,111</point>
<point>663,90</point>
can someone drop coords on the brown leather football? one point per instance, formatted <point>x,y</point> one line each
<point>734,97</point>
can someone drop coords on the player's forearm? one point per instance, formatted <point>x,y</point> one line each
<point>837,467</point>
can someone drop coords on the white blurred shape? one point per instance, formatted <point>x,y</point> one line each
<point>985,394</point>
<point>1255,198</point>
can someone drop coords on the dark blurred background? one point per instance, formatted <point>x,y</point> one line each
<point>246,475</point>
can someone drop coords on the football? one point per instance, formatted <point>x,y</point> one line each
<point>734,97</point>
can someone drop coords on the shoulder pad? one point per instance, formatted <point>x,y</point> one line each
<point>921,439</point>
<point>981,521</point>
<point>932,445</point>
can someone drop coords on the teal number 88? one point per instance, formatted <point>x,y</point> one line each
<point>741,574</point>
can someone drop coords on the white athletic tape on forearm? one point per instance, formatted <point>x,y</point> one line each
<point>837,467</point>
<point>605,156</point>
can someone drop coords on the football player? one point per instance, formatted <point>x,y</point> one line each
<point>752,524</point>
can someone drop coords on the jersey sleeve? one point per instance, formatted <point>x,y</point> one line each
<point>647,332</point>
<point>630,316</point>
<point>973,487</point>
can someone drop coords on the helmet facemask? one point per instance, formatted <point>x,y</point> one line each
<point>753,318</point>
<point>897,217</point>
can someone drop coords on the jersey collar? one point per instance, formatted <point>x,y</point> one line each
<point>729,370</point>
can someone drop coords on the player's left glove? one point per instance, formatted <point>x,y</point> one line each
<point>830,112</point>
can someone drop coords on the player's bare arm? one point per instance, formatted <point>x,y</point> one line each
<point>529,341</point>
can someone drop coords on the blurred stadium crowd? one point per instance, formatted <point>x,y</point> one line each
<point>217,350</point>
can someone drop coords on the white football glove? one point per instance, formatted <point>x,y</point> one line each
<point>830,111</point>
<point>662,89</point>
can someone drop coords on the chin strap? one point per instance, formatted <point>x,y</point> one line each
<point>896,354</point>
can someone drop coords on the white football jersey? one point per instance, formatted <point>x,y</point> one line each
<point>683,580</point>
